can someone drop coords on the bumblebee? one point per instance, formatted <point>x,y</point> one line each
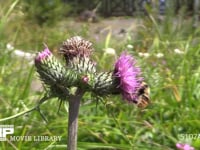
<point>143,99</point>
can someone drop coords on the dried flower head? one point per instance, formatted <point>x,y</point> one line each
<point>181,146</point>
<point>76,46</point>
<point>128,77</point>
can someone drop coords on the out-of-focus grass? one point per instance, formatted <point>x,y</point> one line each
<point>174,80</point>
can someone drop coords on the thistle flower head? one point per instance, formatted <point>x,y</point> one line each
<point>181,146</point>
<point>43,55</point>
<point>127,75</point>
<point>76,46</point>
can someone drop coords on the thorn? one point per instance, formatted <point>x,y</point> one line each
<point>41,114</point>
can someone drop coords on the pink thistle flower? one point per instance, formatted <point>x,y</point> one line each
<point>127,75</point>
<point>181,146</point>
<point>43,55</point>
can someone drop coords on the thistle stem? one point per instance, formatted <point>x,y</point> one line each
<point>74,103</point>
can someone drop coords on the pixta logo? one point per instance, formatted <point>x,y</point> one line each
<point>5,130</point>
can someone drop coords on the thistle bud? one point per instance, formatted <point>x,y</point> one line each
<point>82,65</point>
<point>53,73</point>
<point>104,84</point>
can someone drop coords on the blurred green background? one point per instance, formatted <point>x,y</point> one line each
<point>166,48</point>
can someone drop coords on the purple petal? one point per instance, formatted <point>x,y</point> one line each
<point>181,146</point>
<point>43,55</point>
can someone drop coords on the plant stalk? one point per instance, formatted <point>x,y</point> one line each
<point>37,107</point>
<point>74,103</point>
